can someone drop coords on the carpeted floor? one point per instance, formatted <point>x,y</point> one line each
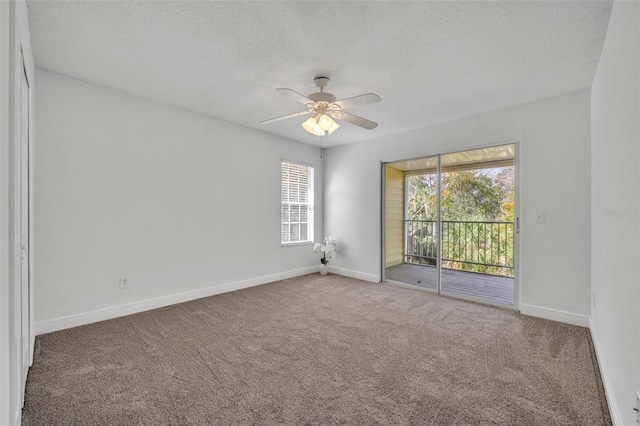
<point>318,350</point>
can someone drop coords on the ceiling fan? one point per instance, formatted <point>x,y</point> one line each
<point>325,106</point>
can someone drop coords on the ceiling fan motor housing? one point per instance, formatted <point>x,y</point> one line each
<point>322,97</point>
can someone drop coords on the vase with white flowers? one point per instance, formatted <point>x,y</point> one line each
<point>329,247</point>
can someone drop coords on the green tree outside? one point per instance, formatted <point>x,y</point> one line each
<point>477,219</point>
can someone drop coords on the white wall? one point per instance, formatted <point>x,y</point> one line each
<point>172,200</point>
<point>554,137</point>
<point>615,225</point>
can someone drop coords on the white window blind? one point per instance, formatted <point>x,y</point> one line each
<point>297,203</point>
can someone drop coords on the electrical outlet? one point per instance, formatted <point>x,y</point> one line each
<point>124,283</point>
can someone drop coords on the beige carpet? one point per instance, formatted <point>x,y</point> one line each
<point>318,350</point>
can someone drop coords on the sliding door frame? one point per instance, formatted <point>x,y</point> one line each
<point>516,234</point>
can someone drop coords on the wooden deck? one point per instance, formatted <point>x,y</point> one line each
<point>455,283</point>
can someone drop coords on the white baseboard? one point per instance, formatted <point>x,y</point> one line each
<point>160,302</point>
<point>616,418</point>
<point>355,274</point>
<point>554,315</point>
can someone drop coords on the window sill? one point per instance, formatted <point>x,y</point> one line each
<point>303,243</point>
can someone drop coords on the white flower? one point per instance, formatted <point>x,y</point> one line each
<point>329,247</point>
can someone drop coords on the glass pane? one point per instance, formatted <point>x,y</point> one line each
<point>293,192</point>
<point>411,216</point>
<point>294,232</point>
<point>294,212</point>
<point>477,191</point>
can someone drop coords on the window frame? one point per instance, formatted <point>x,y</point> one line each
<point>309,204</point>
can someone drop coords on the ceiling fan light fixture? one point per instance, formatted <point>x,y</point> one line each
<point>325,122</point>
<point>312,126</point>
<point>320,125</point>
<point>333,127</point>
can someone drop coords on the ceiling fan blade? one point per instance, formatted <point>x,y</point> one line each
<point>295,95</point>
<point>295,114</point>
<point>368,98</point>
<point>354,119</point>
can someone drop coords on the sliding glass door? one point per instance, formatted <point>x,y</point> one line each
<point>412,232</point>
<point>450,224</point>
<point>478,193</point>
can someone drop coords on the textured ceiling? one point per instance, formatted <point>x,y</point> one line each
<point>429,61</point>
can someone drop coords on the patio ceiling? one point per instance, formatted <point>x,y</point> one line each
<point>496,156</point>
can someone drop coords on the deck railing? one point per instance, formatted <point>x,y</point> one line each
<point>482,246</point>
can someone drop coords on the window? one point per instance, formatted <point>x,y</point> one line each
<point>297,203</point>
